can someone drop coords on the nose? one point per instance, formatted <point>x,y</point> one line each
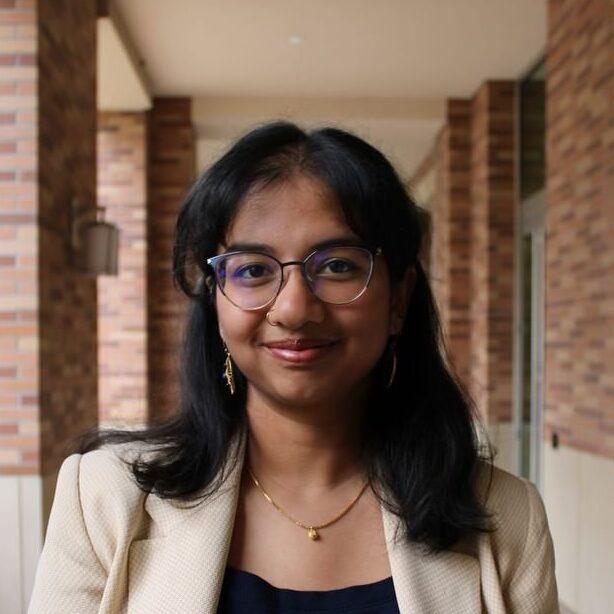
<point>296,305</point>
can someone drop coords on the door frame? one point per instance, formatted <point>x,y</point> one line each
<point>530,222</point>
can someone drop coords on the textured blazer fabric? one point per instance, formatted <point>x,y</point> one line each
<point>110,548</point>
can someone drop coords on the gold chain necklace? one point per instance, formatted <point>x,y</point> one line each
<point>312,530</point>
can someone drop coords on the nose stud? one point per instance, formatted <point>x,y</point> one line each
<point>268,318</point>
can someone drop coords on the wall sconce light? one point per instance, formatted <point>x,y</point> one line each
<point>95,245</point>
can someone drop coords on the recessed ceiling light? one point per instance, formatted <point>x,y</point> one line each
<point>295,40</point>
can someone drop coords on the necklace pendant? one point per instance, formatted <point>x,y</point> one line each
<point>312,534</point>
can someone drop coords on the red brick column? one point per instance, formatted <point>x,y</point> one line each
<point>19,328</point>
<point>472,207</point>
<point>47,158</point>
<point>458,195</point>
<point>452,225</point>
<point>445,176</point>
<point>67,169</point>
<point>171,169</point>
<point>122,300</point>
<point>492,244</point>
<point>48,357</point>
<point>579,386</point>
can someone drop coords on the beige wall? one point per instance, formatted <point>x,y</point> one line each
<point>25,503</point>
<point>578,492</point>
<point>579,496</point>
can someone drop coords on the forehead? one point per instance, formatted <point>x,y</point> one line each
<point>298,210</point>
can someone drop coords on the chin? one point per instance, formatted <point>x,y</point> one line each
<point>323,392</point>
<point>298,396</point>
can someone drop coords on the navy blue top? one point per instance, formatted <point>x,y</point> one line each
<point>244,592</point>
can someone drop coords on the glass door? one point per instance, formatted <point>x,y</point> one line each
<point>531,333</point>
<point>530,267</point>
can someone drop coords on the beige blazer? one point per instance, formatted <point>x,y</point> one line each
<point>110,548</point>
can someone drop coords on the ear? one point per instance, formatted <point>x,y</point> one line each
<point>400,295</point>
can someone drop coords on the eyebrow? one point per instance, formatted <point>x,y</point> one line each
<point>345,240</point>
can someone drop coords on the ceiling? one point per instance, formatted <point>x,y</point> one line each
<point>408,53</point>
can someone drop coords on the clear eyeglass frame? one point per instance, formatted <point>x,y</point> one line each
<point>215,263</point>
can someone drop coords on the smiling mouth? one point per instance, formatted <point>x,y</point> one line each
<point>299,344</point>
<point>300,351</point>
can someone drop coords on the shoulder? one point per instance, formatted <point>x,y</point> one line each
<point>104,470</point>
<point>513,502</point>
<point>517,556</point>
<point>503,492</point>
<point>96,514</point>
<point>101,488</point>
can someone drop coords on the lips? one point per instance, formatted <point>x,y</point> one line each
<point>298,344</point>
<point>300,350</point>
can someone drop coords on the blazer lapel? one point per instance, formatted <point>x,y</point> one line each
<point>180,567</point>
<point>426,583</point>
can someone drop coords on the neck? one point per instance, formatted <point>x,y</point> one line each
<point>312,449</point>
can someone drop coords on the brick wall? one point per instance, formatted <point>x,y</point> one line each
<point>67,169</point>
<point>492,244</point>
<point>122,300</point>
<point>456,247</point>
<point>146,165</point>
<point>171,168</point>
<point>448,168</point>
<point>19,328</point>
<point>579,387</point>
<point>472,246</point>
<point>48,315</point>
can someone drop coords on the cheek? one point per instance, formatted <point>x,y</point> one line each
<point>376,309</point>
<point>374,331</point>
<point>234,324</point>
<point>222,312</point>
<point>369,325</point>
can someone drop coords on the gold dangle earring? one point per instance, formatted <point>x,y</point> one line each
<point>228,373</point>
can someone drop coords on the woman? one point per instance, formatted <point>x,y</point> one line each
<point>324,457</point>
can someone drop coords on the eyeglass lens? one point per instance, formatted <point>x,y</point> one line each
<point>335,275</point>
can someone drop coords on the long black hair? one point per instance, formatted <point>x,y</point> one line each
<point>420,445</point>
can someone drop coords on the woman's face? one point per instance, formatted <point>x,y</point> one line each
<point>338,345</point>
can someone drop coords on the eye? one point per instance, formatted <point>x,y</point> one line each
<point>252,271</point>
<point>337,266</point>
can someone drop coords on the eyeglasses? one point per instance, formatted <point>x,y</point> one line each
<point>335,275</point>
